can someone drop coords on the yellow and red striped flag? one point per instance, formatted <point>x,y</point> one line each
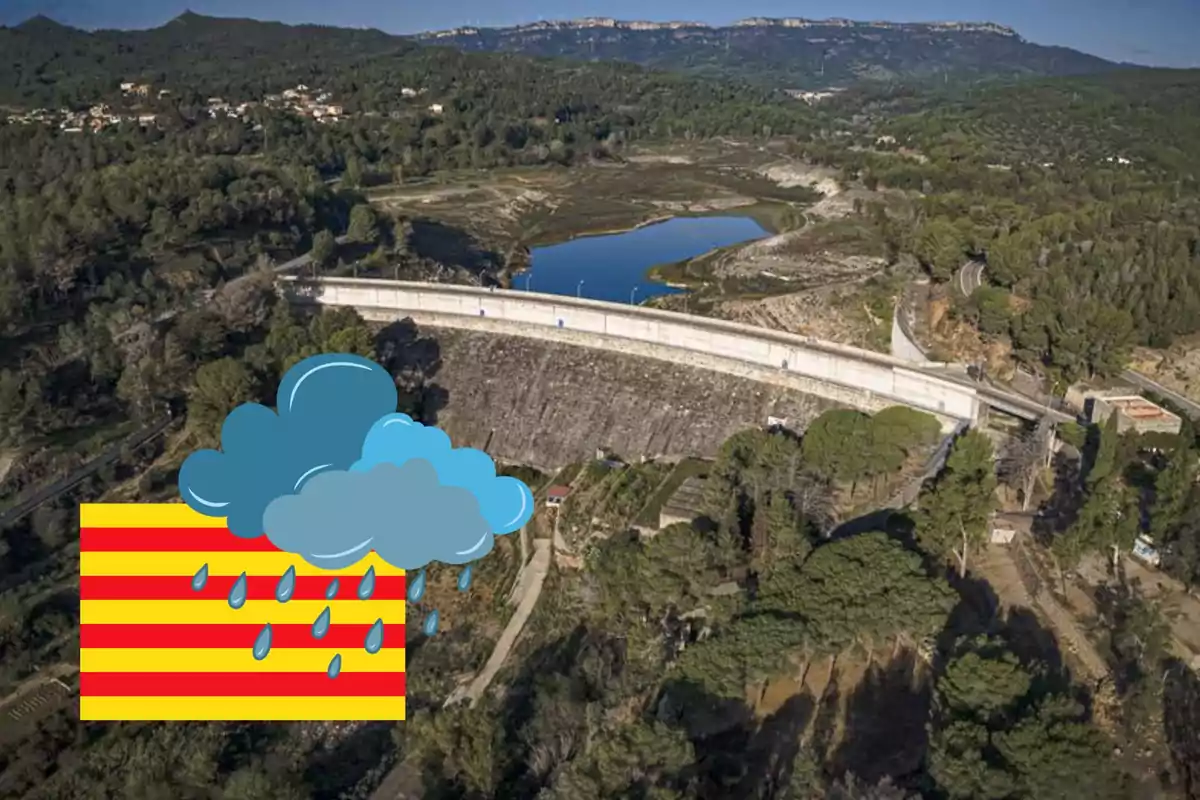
<point>153,648</point>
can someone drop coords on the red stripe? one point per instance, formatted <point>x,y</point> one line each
<point>258,587</point>
<point>240,684</point>
<point>212,636</point>
<point>170,540</point>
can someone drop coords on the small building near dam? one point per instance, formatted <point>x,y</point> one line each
<point>557,495</point>
<point>1134,413</point>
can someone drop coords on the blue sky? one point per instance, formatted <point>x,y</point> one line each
<point>1158,32</point>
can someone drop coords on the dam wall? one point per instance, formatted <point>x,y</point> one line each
<point>532,400</point>
<point>837,373</point>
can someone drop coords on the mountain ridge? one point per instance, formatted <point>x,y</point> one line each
<point>583,23</point>
<point>791,52</point>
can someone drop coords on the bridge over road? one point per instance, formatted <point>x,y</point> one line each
<point>848,375</point>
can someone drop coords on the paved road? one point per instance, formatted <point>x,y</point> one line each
<point>532,579</point>
<point>1149,385</point>
<point>970,277</point>
<point>53,490</point>
<point>295,263</point>
<point>904,341</point>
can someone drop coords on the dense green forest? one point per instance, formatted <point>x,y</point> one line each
<point>1079,194</point>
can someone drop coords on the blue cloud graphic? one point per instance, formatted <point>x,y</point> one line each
<point>506,503</point>
<point>402,512</point>
<point>326,405</point>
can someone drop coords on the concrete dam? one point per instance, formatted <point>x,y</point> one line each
<point>547,403</point>
<point>581,374</point>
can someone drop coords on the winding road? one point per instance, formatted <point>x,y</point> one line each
<point>970,277</point>
<point>1149,385</point>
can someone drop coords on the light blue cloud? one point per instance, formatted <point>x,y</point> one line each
<point>506,503</point>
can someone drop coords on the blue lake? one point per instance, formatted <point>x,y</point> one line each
<point>613,266</point>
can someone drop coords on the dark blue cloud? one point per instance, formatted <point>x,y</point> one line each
<point>402,512</point>
<point>326,405</point>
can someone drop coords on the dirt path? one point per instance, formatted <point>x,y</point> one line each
<point>1073,639</point>
<point>7,459</point>
<point>1181,608</point>
<point>999,565</point>
<point>530,590</point>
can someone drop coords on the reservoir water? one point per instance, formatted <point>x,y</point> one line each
<point>613,267</point>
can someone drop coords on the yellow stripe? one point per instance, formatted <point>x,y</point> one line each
<point>273,564</point>
<point>229,709</point>
<point>144,515</point>
<point>218,612</point>
<point>298,659</point>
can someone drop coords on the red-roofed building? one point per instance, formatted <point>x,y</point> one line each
<point>555,495</point>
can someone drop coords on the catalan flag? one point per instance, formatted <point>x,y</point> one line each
<point>153,648</point>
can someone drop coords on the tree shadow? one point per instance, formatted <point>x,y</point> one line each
<point>825,724</point>
<point>1060,511</point>
<point>979,612</point>
<point>570,673</point>
<point>884,722</point>
<point>335,772</point>
<point>1032,641</point>
<point>737,757</point>
<point>440,242</point>
<point>772,749</point>
<point>413,359</point>
<point>879,520</point>
<point>1181,720</point>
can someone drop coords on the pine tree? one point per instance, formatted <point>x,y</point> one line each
<point>1173,486</point>
<point>953,512</point>
<point>1104,459</point>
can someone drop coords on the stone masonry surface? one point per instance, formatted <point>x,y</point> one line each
<point>552,403</point>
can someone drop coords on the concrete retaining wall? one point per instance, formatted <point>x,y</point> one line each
<point>827,368</point>
<point>904,344</point>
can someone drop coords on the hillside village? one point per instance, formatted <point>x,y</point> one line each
<point>315,103</point>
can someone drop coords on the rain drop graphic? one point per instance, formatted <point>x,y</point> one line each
<point>200,578</point>
<point>431,623</point>
<point>332,590</point>
<point>464,578</point>
<point>366,587</point>
<point>237,595</point>
<point>416,589</point>
<point>374,637</point>
<point>286,586</point>
<point>335,666</point>
<point>262,645</point>
<point>321,626</point>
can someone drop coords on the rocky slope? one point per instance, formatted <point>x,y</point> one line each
<point>549,404</point>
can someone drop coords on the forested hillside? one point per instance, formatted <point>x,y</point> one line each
<point>1080,195</point>
<point>142,217</point>
<point>796,54</point>
<point>197,57</point>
